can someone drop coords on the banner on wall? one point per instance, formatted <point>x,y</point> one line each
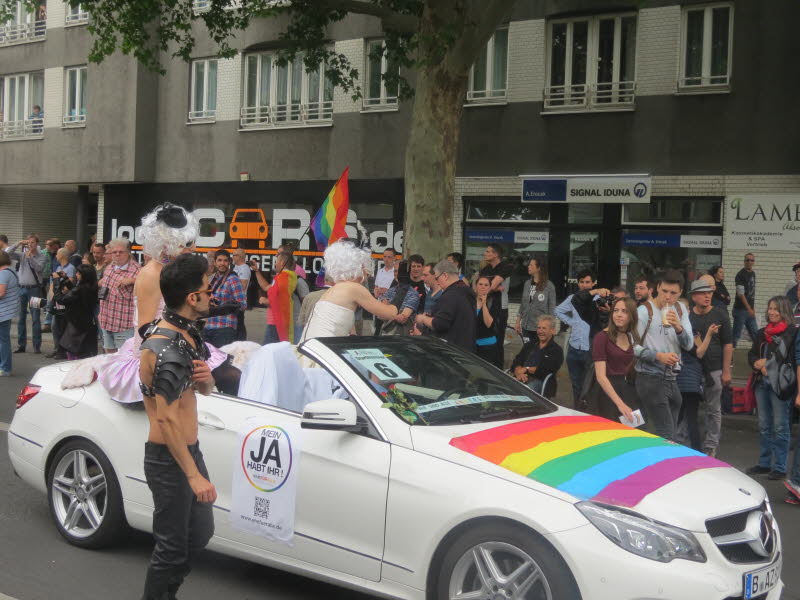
<point>264,486</point>
<point>762,222</point>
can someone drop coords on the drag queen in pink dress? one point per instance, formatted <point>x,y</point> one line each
<point>165,233</point>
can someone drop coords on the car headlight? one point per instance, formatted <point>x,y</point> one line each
<point>640,535</point>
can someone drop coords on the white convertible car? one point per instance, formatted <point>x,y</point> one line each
<point>431,475</point>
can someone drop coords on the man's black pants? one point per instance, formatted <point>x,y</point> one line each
<point>181,524</point>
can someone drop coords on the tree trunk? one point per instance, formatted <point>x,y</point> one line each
<point>430,165</point>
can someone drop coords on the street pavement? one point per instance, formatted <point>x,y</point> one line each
<point>37,564</point>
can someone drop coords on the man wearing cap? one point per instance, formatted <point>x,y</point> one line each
<point>717,358</point>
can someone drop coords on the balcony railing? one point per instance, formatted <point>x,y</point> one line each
<point>283,115</point>
<point>485,96</point>
<point>75,119</point>
<point>78,18</point>
<point>595,96</point>
<point>388,102</point>
<point>28,128</point>
<point>704,84</point>
<point>202,116</point>
<point>22,32</point>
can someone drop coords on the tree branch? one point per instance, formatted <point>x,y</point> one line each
<point>390,19</point>
<point>485,17</point>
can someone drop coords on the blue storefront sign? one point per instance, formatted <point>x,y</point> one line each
<point>489,235</point>
<point>652,240</point>
<point>544,190</point>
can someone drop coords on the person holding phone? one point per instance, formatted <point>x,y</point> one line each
<point>709,320</point>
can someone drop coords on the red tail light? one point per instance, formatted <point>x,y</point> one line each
<point>28,392</point>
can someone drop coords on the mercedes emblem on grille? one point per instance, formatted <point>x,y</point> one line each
<point>761,531</point>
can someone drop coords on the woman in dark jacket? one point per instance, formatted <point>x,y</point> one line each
<point>721,296</point>
<point>79,337</point>
<point>772,349</point>
<point>487,317</point>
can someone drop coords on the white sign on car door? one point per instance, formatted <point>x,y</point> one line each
<point>264,487</point>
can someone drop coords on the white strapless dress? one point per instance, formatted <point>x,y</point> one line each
<point>328,320</point>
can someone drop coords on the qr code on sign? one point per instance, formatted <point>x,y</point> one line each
<point>261,508</point>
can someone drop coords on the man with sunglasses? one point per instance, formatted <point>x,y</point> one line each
<point>117,312</point>
<point>744,305</point>
<point>173,368</point>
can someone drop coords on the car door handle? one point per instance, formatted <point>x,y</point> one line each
<point>205,419</point>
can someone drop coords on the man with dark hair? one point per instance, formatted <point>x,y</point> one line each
<point>665,330</point>
<point>744,305</point>
<point>642,289</point>
<point>226,289</point>
<point>173,367</point>
<point>415,266</point>
<point>385,275</point>
<point>579,346</point>
<point>499,272</point>
<point>3,242</point>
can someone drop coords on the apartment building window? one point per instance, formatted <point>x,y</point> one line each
<point>203,101</point>
<point>76,15</point>
<point>706,48</point>
<point>21,100</point>
<point>75,102</point>
<point>279,95</point>
<point>24,25</point>
<point>378,95</point>
<point>489,75</point>
<point>591,63</point>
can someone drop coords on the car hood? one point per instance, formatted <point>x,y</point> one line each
<point>577,457</point>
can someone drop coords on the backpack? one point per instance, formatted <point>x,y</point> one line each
<point>649,306</point>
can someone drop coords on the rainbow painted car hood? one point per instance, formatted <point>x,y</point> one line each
<point>588,457</point>
<point>591,458</point>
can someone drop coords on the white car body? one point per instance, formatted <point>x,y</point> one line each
<point>372,511</point>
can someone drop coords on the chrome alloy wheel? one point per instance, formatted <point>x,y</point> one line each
<point>498,571</point>
<point>79,493</point>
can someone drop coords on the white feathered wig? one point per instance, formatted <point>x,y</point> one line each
<point>168,230</point>
<point>344,261</point>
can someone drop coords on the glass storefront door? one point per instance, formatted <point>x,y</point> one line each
<point>584,253</point>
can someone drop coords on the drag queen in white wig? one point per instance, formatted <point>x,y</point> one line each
<point>347,266</point>
<point>165,233</point>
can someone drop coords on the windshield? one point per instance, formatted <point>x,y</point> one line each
<point>425,381</point>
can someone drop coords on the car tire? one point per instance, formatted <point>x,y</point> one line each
<point>84,496</point>
<point>504,549</point>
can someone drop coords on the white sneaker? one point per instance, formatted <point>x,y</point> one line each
<point>792,487</point>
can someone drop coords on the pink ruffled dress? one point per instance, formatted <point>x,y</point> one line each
<point>119,372</point>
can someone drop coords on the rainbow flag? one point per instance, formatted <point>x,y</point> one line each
<point>588,457</point>
<point>328,224</point>
<point>280,295</point>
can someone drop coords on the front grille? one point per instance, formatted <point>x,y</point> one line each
<point>744,537</point>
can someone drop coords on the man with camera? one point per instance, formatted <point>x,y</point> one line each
<point>30,268</point>
<point>117,311</point>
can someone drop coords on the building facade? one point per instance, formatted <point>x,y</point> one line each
<point>690,97</point>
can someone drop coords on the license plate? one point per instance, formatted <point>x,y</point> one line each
<point>761,581</point>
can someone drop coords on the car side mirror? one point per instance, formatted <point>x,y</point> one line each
<point>335,414</point>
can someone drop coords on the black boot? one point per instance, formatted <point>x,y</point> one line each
<point>157,585</point>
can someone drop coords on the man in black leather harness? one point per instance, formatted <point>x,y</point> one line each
<point>172,368</point>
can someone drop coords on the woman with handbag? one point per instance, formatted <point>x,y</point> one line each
<point>79,337</point>
<point>775,385</point>
<point>612,394</point>
<point>487,318</point>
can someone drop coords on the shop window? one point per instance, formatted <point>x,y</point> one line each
<point>379,95</point>
<point>585,214</point>
<point>674,211</point>
<point>21,100</point>
<point>706,48</point>
<point>203,101</point>
<point>485,211</point>
<point>488,76</point>
<point>75,101</point>
<point>591,63</point>
<point>279,93</point>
